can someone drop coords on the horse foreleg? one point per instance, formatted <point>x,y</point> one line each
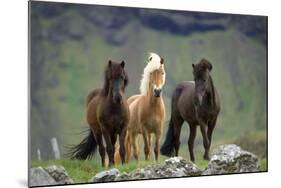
<point>113,142</point>
<point>98,137</point>
<point>192,135</point>
<point>122,150</point>
<point>206,143</point>
<point>211,126</point>
<point>109,146</point>
<point>145,140</point>
<point>157,145</point>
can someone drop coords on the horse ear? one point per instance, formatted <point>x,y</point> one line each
<point>162,61</point>
<point>122,64</point>
<point>210,66</point>
<point>193,65</point>
<point>109,63</point>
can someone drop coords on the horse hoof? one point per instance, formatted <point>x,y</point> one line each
<point>207,158</point>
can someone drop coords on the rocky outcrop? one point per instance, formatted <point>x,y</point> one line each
<point>225,159</point>
<point>231,159</point>
<point>52,175</point>
<point>173,167</point>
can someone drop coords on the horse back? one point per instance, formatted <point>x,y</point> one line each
<point>92,94</point>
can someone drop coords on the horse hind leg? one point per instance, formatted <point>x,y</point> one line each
<point>192,135</point>
<point>135,146</point>
<point>149,140</point>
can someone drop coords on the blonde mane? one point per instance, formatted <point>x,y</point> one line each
<point>153,63</point>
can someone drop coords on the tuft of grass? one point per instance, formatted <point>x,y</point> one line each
<point>263,165</point>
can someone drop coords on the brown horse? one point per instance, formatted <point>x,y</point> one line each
<point>147,110</point>
<point>107,116</point>
<point>196,103</point>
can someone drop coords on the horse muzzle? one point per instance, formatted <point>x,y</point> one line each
<point>117,98</point>
<point>157,92</point>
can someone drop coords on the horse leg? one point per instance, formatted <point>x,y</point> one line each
<point>192,135</point>
<point>145,140</point>
<point>157,145</point>
<point>122,150</point>
<point>177,121</point>
<point>109,146</point>
<point>211,126</point>
<point>128,146</point>
<point>135,146</point>
<point>98,137</point>
<point>113,142</point>
<point>149,140</point>
<point>206,142</point>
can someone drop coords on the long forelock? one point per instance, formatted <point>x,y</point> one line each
<point>153,63</point>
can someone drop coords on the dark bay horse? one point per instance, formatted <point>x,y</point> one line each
<point>107,116</point>
<point>197,103</point>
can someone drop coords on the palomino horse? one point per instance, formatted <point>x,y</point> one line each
<point>107,116</point>
<point>196,103</point>
<point>147,110</point>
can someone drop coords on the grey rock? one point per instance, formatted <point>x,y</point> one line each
<point>231,159</point>
<point>38,177</point>
<point>173,167</point>
<point>105,176</point>
<point>59,174</point>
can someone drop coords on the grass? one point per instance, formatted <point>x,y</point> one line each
<point>82,171</point>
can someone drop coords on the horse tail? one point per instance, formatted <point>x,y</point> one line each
<point>168,147</point>
<point>85,149</point>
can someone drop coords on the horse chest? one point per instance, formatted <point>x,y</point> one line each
<point>112,119</point>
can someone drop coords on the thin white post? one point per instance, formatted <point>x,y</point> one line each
<point>38,154</point>
<point>55,147</point>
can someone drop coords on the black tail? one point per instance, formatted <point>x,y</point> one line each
<point>168,148</point>
<point>86,148</point>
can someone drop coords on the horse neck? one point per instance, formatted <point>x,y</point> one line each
<point>211,92</point>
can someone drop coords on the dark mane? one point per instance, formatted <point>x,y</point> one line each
<point>105,88</point>
<point>212,91</point>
